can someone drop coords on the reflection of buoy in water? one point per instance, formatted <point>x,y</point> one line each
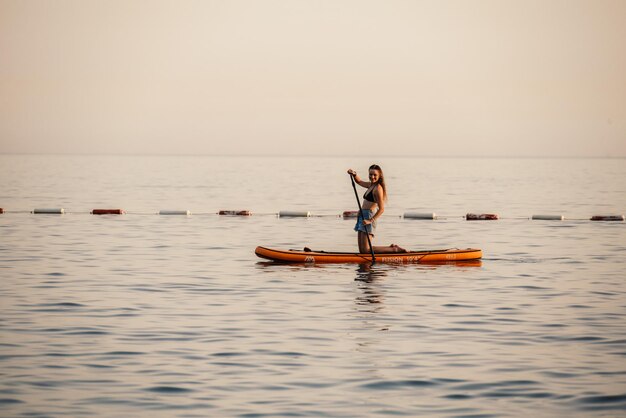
<point>481,217</point>
<point>350,213</point>
<point>235,212</point>
<point>107,212</point>
<point>548,217</point>
<point>294,214</point>
<point>607,218</point>
<point>417,215</point>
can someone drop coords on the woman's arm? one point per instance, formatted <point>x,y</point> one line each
<point>358,179</point>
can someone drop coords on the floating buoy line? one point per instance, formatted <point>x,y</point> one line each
<point>307,214</point>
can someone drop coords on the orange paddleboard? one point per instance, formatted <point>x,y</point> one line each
<point>433,256</point>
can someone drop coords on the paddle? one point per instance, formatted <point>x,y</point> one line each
<point>362,217</point>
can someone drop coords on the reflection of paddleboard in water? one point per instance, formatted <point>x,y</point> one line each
<point>432,256</point>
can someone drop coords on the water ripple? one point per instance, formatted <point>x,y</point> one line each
<point>168,389</point>
<point>398,384</point>
<point>603,402</point>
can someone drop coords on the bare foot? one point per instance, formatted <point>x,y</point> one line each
<point>397,248</point>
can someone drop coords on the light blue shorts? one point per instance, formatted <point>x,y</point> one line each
<point>360,227</point>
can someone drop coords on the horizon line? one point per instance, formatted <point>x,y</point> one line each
<point>108,154</point>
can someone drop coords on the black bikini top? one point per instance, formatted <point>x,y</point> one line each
<point>370,196</point>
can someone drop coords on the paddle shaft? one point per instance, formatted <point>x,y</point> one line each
<point>358,201</point>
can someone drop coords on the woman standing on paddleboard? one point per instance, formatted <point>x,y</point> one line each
<point>373,207</point>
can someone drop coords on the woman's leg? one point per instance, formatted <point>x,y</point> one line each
<point>364,246</point>
<point>388,249</point>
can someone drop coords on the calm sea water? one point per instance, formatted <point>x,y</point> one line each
<point>148,315</point>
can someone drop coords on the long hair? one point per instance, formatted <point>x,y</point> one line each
<point>381,179</point>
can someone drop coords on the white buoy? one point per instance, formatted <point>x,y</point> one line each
<point>175,212</point>
<point>294,214</point>
<point>55,211</point>
<point>418,215</point>
<point>548,217</point>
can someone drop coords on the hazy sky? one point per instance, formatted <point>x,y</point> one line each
<point>515,78</point>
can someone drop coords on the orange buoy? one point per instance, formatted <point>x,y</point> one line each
<point>350,213</point>
<point>607,218</point>
<point>235,212</point>
<point>481,217</point>
<point>107,212</point>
